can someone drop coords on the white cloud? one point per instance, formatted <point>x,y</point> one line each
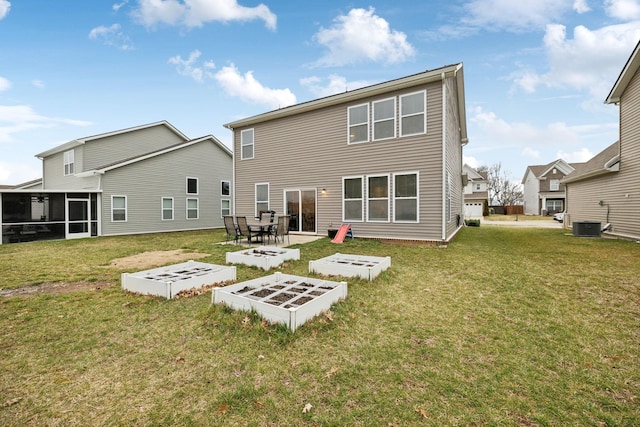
<point>581,6</point>
<point>111,36</point>
<point>20,118</point>
<point>579,156</point>
<point>246,87</point>
<point>514,15</point>
<point>5,84</point>
<point>362,36</point>
<point>625,10</point>
<point>531,153</point>
<point>38,83</point>
<point>17,173</point>
<point>336,84</point>
<point>590,61</point>
<point>471,161</point>
<point>116,6</point>
<point>5,6</point>
<point>189,67</point>
<point>195,13</point>
<point>501,132</point>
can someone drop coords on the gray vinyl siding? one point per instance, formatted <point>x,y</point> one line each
<point>453,158</point>
<point>145,183</point>
<point>619,191</point>
<point>310,151</point>
<point>127,145</point>
<point>54,177</point>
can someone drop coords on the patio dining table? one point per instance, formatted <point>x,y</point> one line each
<point>262,227</point>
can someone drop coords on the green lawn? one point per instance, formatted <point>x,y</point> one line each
<point>506,326</point>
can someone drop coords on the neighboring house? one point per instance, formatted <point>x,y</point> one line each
<point>386,159</point>
<point>476,192</point>
<point>607,188</point>
<point>146,179</point>
<point>543,190</point>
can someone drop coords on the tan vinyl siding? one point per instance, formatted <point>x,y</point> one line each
<point>127,145</point>
<point>453,159</point>
<point>310,150</point>
<point>140,183</point>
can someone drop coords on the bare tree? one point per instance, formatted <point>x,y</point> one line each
<point>503,190</point>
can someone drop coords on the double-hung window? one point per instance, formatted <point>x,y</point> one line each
<point>167,208</point>
<point>246,144</point>
<point>384,119</point>
<point>118,208</point>
<point>554,185</point>
<point>262,198</point>
<point>378,198</point>
<point>225,207</point>
<point>405,197</point>
<point>358,123</point>
<point>192,208</point>
<point>413,113</point>
<point>68,158</point>
<point>352,198</point>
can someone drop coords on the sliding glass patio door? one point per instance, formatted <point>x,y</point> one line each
<point>300,205</point>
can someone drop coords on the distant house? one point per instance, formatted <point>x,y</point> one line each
<point>386,159</point>
<point>543,190</point>
<point>146,179</point>
<point>476,192</point>
<point>607,188</point>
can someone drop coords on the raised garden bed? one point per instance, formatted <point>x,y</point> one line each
<point>264,257</point>
<point>282,298</point>
<point>364,266</point>
<point>169,281</point>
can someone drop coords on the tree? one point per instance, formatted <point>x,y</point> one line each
<point>503,191</point>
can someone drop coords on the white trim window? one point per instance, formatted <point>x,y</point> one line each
<point>68,158</point>
<point>358,118</point>
<point>261,197</point>
<point>554,185</point>
<point>378,198</point>
<point>118,208</point>
<point>225,188</point>
<point>448,212</point>
<point>246,144</point>
<point>413,113</point>
<point>167,209</point>
<point>384,119</point>
<point>405,197</point>
<point>352,198</point>
<point>193,209</point>
<point>192,186</point>
<point>225,207</point>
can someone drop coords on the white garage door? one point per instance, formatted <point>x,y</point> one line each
<point>473,210</point>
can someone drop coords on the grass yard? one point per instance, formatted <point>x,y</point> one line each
<point>507,326</point>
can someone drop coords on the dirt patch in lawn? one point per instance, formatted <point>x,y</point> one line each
<point>55,288</point>
<point>142,261</point>
<point>147,260</point>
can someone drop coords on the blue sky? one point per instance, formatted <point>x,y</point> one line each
<point>536,72</point>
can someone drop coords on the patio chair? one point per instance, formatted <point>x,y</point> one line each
<point>281,229</point>
<point>245,230</point>
<point>232,229</point>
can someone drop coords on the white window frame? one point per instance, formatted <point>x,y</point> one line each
<point>246,143</point>
<point>554,185</point>
<point>361,199</point>
<point>386,119</point>
<point>423,113</point>
<point>163,209</point>
<point>448,213</point>
<point>187,186</point>
<point>225,211</point>
<point>197,208</point>
<point>350,125</point>
<point>255,198</point>
<point>369,198</point>
<point>222,193</point>
<point>68,160</point>
<point>126,204</point>
<point>416,197</point>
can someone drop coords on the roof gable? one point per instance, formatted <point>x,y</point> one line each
<point>604,162</point>
<point>627,73</point>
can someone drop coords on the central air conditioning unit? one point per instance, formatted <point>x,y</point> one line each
<point>586,228</point>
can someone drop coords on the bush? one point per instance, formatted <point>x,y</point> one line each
<point>472,222</point>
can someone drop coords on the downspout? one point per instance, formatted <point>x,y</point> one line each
<point>444,158</point>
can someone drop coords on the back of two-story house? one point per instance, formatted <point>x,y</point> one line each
<point>145,179</point>
<point>543,190</point>
<point>386,159</point>
<point>476,192</point>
